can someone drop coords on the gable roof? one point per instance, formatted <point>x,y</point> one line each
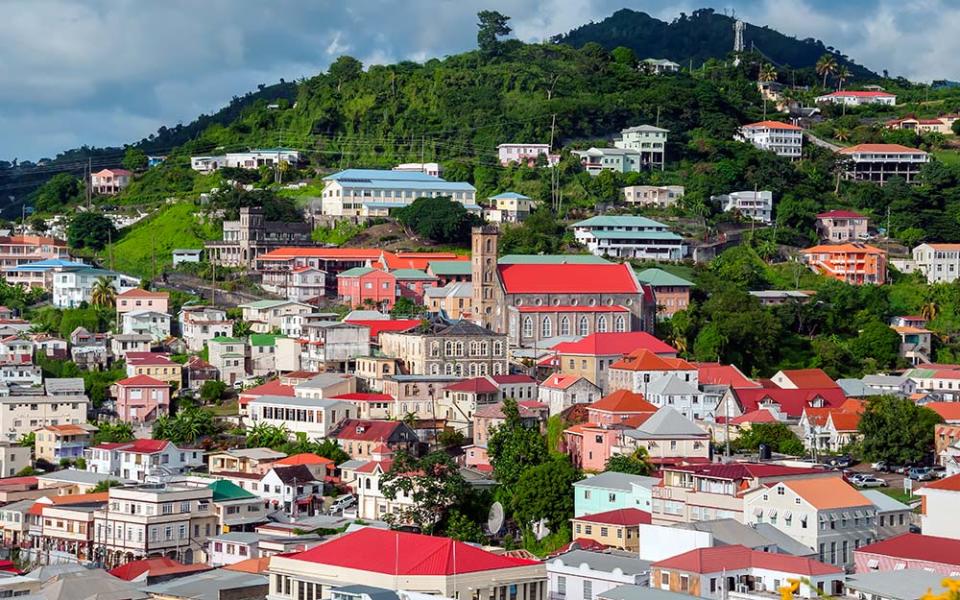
<point>560,382</point>
<point>476,385</point>
<point>737,471</point>
<point>378,326</point>
<point>659,277</point>
<point>666,422</point>
<point>617,481</point>
<point>728,375</point>
<point>719,558</point>
<point>368,430</point>
<point>950,484</point>
<point>304,458</point>
<point>772,125</point>
<point>645,360</point>
<point>227,490</point>
<point>880,148</point>
<point>840,214</point>
<point>618,516</point>
<point>915,546</point>
<point>621,401</point>
<point>406,554</point>
<point>293,473</point>
<point>826,493</point>
<point>948,411</point>
<point>791,402</point>
<point>155,567</point>
<point>142,381</point>
<point>859,94</point>
<point>809,378</point>
<point>610,344</point>
<point>610,278</point>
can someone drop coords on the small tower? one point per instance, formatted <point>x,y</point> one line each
<point>484,277</point>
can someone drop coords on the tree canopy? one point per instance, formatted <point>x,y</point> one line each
<point>897,430</point>
<point>776,436</point>
<point>90,230</point>
<point>433,482</point>
<point>438,219</point>
<point>543,492</point>
<point>514,447</point>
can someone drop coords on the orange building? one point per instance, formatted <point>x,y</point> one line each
<point>854,263</point>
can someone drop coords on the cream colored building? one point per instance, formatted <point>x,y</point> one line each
<point>13,458</point>
<point>56,442</point>
<point>462,349</point>
<point>20,415</point>
<point>455,299</point>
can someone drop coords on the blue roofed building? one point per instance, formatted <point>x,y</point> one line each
<point>627,236</point>
<point>374,192</point>
<point>509,207</point>
<point>40,273</point>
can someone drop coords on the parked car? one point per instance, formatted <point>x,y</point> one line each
<point>880,465</point>
<point>869,481</point>
<point>341,503</point>
<point>841,462</point>
<point>921,474</point>
<point>899,469</point>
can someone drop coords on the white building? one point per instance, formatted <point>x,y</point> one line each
<point>265,316</point>
<point>315,418</point>
<point>21,415</point>
<point>526,154</point>
<point>880,162</point>
<point>373,192</point>
<point>186,255</point>
<point>140,459</point>
<point>231,548</point>
<point>581,574</point>
<point>147,322</point>
<point>658,196</point>
<point>659,66</point>
<point>783,139</point>
<point>939,263</point>
<point>432,169</point>
<point>73,286</point>
<point>629,237</point>
<point>509,207</point>
<point>939,513</point>
<point>200,324</point>
<point>229,356</point>
<point>560,392</point>
<point>858,98</point>
<point>752,205</point>
<point>649,141</point>
<point>252,159</point>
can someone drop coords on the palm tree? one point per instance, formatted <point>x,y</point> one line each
<point>103,294</point>
<point>929,310</point>
<point>767,73</point>
<point>826,65</point>
<point>843,74</point>
<point>841,134</point>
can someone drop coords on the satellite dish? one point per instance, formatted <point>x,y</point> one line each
<point>495,519</point>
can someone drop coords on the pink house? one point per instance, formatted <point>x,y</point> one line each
<point>590,445</point>
<point>617,407</point>
<point>141,399</point>
<point>364,285</point>
<point>413,283</point>
<point>110,181</point>
<point>138,299</point>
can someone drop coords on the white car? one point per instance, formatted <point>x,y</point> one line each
<point>869,481</point>
<point>342,503</point>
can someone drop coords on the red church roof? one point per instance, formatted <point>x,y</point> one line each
<point>610,344</point>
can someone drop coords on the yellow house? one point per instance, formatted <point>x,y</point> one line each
<point>56,442</point>
<point>155,365</point>
<point>618,528</point>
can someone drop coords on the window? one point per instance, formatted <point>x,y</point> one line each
<point>619,324</point>
<point>587,589</point>
<point>561,586</point>
<point>564,328</point>
<point>546,328</point>
<point>602,325</point>
<point>665,579</point>
<point>583,327</point>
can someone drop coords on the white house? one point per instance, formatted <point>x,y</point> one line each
<point>858,98</point>
<point>433,169</point>
<point>659,66</point>
<point>560,392</point>
<point>315,418</point>
<point>73,286</point>
<point>265,316</point>
<point>200,324</point>
<point>658,196</point>
<point>525,154</point>
<point>939,263</point>
<point>752,205</point>
<point>147,322</point>
<point>649,141</point>
<point>143,458</point>
<point>233,547</point>
<point>364,476</point>
<point>626,236</point>
<point>580,574</point>
<point>252,159</point>
<point>783,139</point>
<point>373,192</point>
<point>509,207</point>
<point>186,255</point>
<point>939,513</point>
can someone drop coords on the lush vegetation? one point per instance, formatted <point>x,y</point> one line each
<point>775,436</point>
<point>897,431</point>
<point>90,230</point>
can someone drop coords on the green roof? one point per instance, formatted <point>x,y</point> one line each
<point>227,490</point>
<point>355,272</point>
<point>411,274</point>
<point>264,339</point>
<point>659,277</point>
<point>618,221</point>
<point>451,267</point>
<point>222,339</point>
<point>551,259</point>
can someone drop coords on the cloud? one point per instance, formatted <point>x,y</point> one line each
<point>106,72</point>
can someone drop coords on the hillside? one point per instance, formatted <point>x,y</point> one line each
<point>699,37</point>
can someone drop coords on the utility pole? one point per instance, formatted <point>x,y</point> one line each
<point>88,183</point>
<point>213,286</point>
<point>422,167</point>
<point>554,179</point>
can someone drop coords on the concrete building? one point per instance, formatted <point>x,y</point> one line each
<point>14,458</point>
<point>757,206</point>
<point>146,322</point>
<point>252,235</point>
<point>314,418</point>
<point>929,553</point>
<point>139,299</point>
<point>431,168</point>
<point>839,226</point>
<point>373,192</point>
<point>610,491</point>
<point>54,443</point>
<point>200,324</point>
<point>40,252</point>
<point>141,459</point>
<point>141,399</point>
<point>73,286</point>
<point>783,139</point>
<point>649,141</point>
<point>526,154</point>
<point>252,159</point>
<point>653,196</point>
<point>629,237</point>
<point>109,182</point>
<point>266,316</point>
<point>509,207</point>
<point>879,162</point>
<point>560,392</point>
<point>858,98</point>
<point>938,501</point>
<point>672,293</point>
<point>461,348</point>
<point>939,263</point>
<point>21,415</point>
<point>581,574</point>
<point>854,263</point>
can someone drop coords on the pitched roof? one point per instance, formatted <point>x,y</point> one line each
<point>915,546</point>
<point>142,293</point>
<point>610,344</point>
<point>476,385</point>
<point>949,411</point>
<point>251,565</point>
<point>666,422</point>
<point>950,484</point>
<point>728,375</point>
<point>143,381</point>
<point>269,388</point>
<point>761,415</point>
<point>364,397</point>
<point>618,516</point>
<point>840,214</point>
<point>791,402</point>
<point>826,493</point>
<point>623,401</point>
<point>155,567</point>
<point>809,378</point>
<point>737,471</point>
<point>227,490</point>
<point>719,558</point>
<point>610,278</point>
<point>406,554</point>
<point>304,458</point>
<point>450,267</point>
<point>645,360</point>
<point>366,430</point>
<point>844,421</point>
<point>659,278</point>
<point>617,481</point>
<point>772,125</point>
<point>378,326</point>
<point>880,149</point>
<point>292,473</point>
<point>860,94</point>
<point>560,382</point>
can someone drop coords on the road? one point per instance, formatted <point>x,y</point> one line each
<point>822,143</point>
<point>201,287</point>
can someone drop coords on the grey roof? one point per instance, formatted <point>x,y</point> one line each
<point>883,502</point>
<point>612,480</point>
<point>321,381</point>
<point>785,544</point>
<point>464,327</point>
<point>240,537</point>
<point>644,128</point>
<point>45,399</point>
<point>254,453</point>
<point>640,592</point>
<point>666,423</point>
<point>855,388</point>
<point>374,593</point>
<point>600,561</point>
<point>884,380</point>
<point>132,337</point>
<point>20,505</point>
<point>207,585</point>
<point>671,385</point>
<point>905,584</point>
<point>77,476</point>
<point>366,315</point>
<point>90,584</point>
<point>728,532</point>
<point>64,384</point>
<point>353,463</point>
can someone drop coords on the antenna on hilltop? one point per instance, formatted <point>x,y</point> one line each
<point>738,28</point>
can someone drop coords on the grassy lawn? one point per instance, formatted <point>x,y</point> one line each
<point>898,494</point>
<point>948,157</point>
<point>173,226</point>
<point>227,409</point>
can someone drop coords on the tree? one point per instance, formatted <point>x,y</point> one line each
<point>514,447</point>
<point>103,294</point>
<point>637,463</point>
<point>212,390</point>
<point>767,73</point>
<point>776,436</point>
<point>104,486</point>
<point>491,27</point>
<point>405,308</point>
<point>897,430</point>
<point>39,224</point>
<point>59,191</point>
<point>439,219</point>
<point>265,435</point>
<point>843,74</point>
<point>90,230</point>
<point>329,448</point>
<point>27,440</point>
<point>135,159</point>
<point>108,433</point>
<point>186,427</point>
<point>344,69</point>
<point>826,65</point>
<point>462,528</point>
<point>877,341</point>
<point>624,56</point>
<point>956,127</point>
<point>543,492</point>
<point>433,483</point>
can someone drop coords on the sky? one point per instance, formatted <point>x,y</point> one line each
<point>109,72</point>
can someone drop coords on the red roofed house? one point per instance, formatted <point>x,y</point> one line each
<point>783,139</point>
<point>715,571</point>
<point>532,414</point>
<point>141,398</point>
<point>359,437</point>
<point>366,286</point>
<point>377,326</point>
<point>156,569</point>
<point>912,123</point>
<point>829,429</point>
<point>910,551</point>
<point>592,356</point>
<point>879,162</point>
<point>725,375</point>
<point>140,299</point>
<point>617,407</point>
<point>274,387</point>
<point>560,392</point>
<point>618,528</point>
<point>792,403</point>
<point>838,226</point>
<point>801,379</point>
<point>938,509</point>
<point>858,97</point>
<point>417,563</point>
<point>371,405</point>
<point>142,458</point>
<point>497,286</point>
<point>110,181</point>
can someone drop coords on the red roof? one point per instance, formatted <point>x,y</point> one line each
<point>760,415</point>
<point>619,516</point>
<point>791,402</point>
<point>880,148</point>
<point>915,546</point>
<point>560,382</point>
<point>149,359</point>
<point>366,430</point>
<point>154,567</point>
<point>729,375</point>
<point>840,214</point>
<point>623,401</point>
<point>507,379</point>
<point>364,397</point>
<point>419,260</point>
<point>645,360</point>
<point>573,309</point>
<point>949,411</point>
<point>379,326</point>
<point>304,458</point>
<point>611,278</point>
<point>719,558</point>
<point>610,344</point>
<point>477,385</point>
<point>860,94</point>
<point>737,471</point>
<point>137,446</point>
<point>270,388</point>
<point>950,484</point>
<point>772,125</point>
<point>406,554</point>
<point>142,381</point>
<point>806,379</point>
<point>142,293</point>
<point>322,253</point>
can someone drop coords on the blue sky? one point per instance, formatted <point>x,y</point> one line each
<point>105,72</point>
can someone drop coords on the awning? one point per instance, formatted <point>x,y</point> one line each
<point>787,514</point>
<point>873,563</point>
<point>758,512</point>
<point>304,500</point>
<point>773,513</point>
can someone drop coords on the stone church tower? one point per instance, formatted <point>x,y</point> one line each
<point>488,309</point>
